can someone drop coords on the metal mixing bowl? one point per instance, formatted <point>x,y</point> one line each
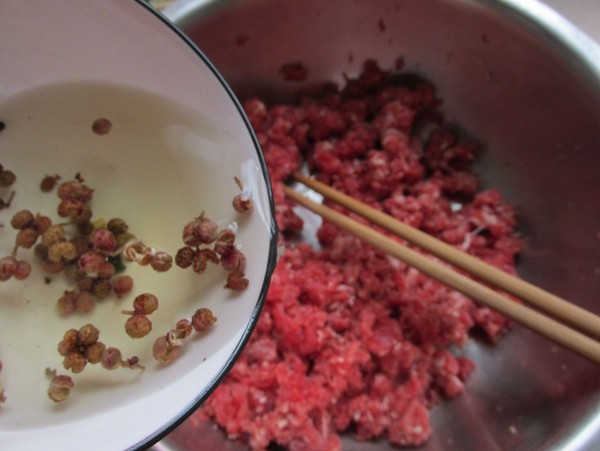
<point>524,82</point>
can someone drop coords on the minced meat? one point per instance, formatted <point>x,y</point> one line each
<point>351,340</point>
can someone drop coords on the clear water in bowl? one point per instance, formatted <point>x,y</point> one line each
<point>159,166</point>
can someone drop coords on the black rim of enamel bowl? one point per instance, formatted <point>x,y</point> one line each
<point>272,255</point>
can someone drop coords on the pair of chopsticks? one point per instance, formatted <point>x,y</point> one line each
<point>562,313</point>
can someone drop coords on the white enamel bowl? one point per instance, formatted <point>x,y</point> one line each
<point>177,141</point>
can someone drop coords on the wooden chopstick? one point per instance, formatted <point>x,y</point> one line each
<point>520,313</point>
<point>559,308</point>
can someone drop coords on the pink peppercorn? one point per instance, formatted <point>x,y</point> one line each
<point>145,303</point>
<point>226,236</point>
<point>102,288</point>
<point>75,362</point>
<point>64,250</point>
<point>106,271</point>
<point>48,183</point>
<point>8,266</point>
<point>22,271</point>
<point>21,219</point>
<point>183,328</point>
<point>188,235</point>
<point>93,353</point>
<point>75,189</point>
<point>41,223</point>
<point>52,267</point>
<point>122,285</point>
<point>242,204</point>
<point>66,206</point>
<point>185,257</point>
<point>88,334</point>
<point>207,230</point>
<point>203,319</point>
<point>81,215</point>
<point>164,352</point>
<point>235,259</point>
<point>66,303</point>
<point>104,240</point>
<point>200,231</point>
<point>161,261</point>
<point>84,302</point>
<point>92,263</point>
<point>111,358</point>
<point>237,281</point>
<point>101,126</point>
<point>223,248</point>
<point>53,234</point>
<point>26,237</point>
<point>60,388</point>
<point>199,264</point>
<point>138,326</point>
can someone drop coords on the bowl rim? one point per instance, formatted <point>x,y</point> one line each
<point>271,256</point>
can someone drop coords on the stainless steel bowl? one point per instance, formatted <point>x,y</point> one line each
<point>525,83</point>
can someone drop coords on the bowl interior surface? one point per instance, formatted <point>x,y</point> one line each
<point>178,139</point>
<point>520,80</point>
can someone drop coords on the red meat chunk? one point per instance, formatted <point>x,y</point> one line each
<point>351,341</point>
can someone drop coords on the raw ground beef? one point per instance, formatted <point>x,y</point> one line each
<point>351,340</point>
